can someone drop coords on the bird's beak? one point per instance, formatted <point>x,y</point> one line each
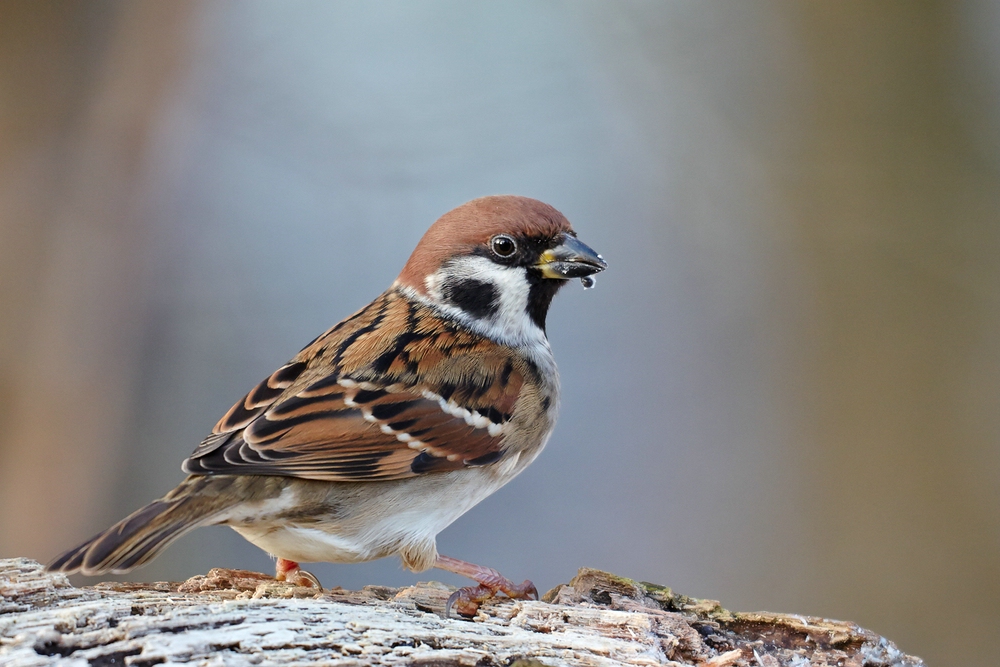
<point>572,258</point>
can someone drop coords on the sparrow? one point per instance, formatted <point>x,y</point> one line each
<point>392,424</point>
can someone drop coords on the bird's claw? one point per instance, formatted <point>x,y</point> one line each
<point>526,591</point>
<point>304,578</point>
<point>287,570</point>
<point>465,601</point>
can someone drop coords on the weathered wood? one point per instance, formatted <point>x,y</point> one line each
<point>232,617</point>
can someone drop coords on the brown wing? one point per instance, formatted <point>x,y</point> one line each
<point>315,419</point>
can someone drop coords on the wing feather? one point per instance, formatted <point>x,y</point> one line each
<point>430,398</point>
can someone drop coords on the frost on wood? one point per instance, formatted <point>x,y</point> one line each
<point>232,617</point>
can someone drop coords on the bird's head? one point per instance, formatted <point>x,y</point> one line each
<point>497,262</point>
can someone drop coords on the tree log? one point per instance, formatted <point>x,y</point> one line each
<point>234,617</point>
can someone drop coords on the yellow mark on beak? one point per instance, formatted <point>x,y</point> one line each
<point>572,258</point>
<point>545,264</point>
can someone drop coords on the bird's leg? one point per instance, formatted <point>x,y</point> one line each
<point>466,600</point>
<point>288,570</point>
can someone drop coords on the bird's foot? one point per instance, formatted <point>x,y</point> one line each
<point>466,601</point>
<point>289,570</point>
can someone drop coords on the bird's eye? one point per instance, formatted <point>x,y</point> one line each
<point>503,246</point>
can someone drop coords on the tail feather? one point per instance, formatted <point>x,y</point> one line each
<point>133,536</point>
<point>144,534</point>
<point>71,561</point>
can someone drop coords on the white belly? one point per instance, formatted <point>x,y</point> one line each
<point>381,518</point>
<point>304,545</point>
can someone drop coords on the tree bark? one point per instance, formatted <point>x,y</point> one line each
<point>232,617</point>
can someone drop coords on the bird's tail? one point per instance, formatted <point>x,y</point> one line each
<point>141,536</point>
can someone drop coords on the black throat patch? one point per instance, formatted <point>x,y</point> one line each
<point>540,297</point>
<point>476,297</point>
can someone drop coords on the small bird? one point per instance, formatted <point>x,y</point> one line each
<point>392,424</point>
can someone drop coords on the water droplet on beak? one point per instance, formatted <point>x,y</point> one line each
<point>588,282</point>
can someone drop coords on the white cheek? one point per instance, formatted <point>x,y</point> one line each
<point>513,288</point>
<point>510,323</point>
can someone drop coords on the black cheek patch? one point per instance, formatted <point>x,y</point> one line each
<point>475,297</point>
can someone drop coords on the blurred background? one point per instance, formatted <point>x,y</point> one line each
<point>783,394</point>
